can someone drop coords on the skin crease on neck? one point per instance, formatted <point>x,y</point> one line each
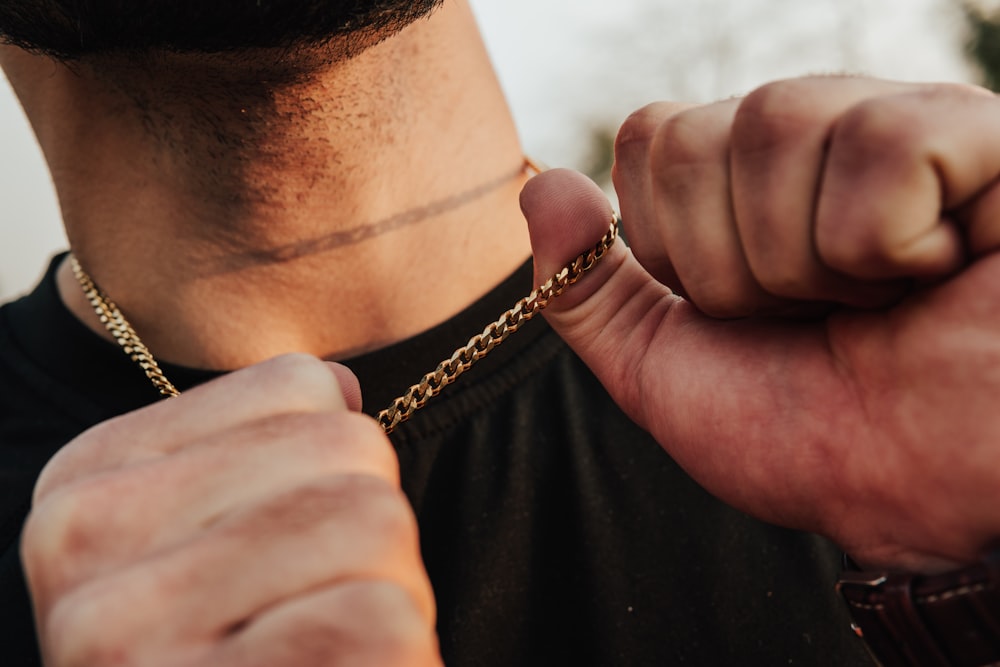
<point>182,203</point>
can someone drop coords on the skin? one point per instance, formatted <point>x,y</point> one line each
<point>865,207</point>
<point>874,426</point>
<point>185,204</point>
<point>219,577</point>
<point>162,579</point>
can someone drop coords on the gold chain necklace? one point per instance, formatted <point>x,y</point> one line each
<point>417,395</point>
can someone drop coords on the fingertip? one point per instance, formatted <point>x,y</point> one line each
<point>561,191</point>
<point>566,213</point>
<point>349,385</point>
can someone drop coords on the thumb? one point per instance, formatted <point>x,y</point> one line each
<point>611,314</point>
<point>567,213</point>
<point>731,401</point>
<point>349,385</point>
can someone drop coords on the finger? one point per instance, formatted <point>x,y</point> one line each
<point>686,378</point>
<point>981,218</point>
<point>84,530</point>
<point>898,165</point>
<point>779,138</point>
<point>577,215</point>
<point>759,411</point>
<point>356,624</point>
<point>285,385</point>
<point>350,387</point>
<point>689,160</point>
<point>633,183</point>
<point>325,534</point>
<point>613,311</point>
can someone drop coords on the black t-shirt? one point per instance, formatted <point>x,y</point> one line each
<point>554,530</point>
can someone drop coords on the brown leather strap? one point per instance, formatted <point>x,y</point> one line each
<point>945,620</point>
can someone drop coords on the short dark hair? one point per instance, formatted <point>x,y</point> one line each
<point>72,29</point>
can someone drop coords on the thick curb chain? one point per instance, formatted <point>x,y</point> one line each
<point>416,396</point>
<point>482,344</point>
<point>124,334</point>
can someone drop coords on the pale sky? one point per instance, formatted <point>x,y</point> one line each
<point>569,67</point>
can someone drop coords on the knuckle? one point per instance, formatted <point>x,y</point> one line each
<point>867,246</point>
<point>956,89</point>
<point>783,278</point>
<point>81,629</point>
<point>338,440</point>
<point>362,622</point>
<point>374,446</point>
<point>885,126</point>
<point>774,114</point>
<point>404,634</point>
<point>384,509</point>
<point>637,130</point>
<point>383,599</point>
<point>303,376</point>
<point>724,299</point>
<point>842,251</point>
<point>65,464</point>
<point>638,133</point>
<point>681,140</point>
<point>64,527</point>
<point>900,124</point>
<point>363,505</point>
<point>359,428</point>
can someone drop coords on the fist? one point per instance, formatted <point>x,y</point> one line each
<point>871,207</point>
<point>251,521</point>
<point>829,189</point>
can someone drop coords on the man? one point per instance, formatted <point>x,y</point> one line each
<point>342,180</point>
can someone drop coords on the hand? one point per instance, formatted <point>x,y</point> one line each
<point>252,521</point>
<point>875,424</point>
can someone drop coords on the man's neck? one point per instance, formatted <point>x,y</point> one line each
<point>334,213</point>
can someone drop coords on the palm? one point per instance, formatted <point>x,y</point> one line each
<point>836,426</point>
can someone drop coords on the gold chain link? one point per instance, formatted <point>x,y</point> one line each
<point>122,331</point>
<point>416,396</point>
<point>482,344</point>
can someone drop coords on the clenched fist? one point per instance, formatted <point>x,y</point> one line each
<point>252,521</point>
<point>871,207</point>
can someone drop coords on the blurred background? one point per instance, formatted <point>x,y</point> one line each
<point>573,71</point>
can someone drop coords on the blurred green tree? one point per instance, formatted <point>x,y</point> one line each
<point>983,42</point>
